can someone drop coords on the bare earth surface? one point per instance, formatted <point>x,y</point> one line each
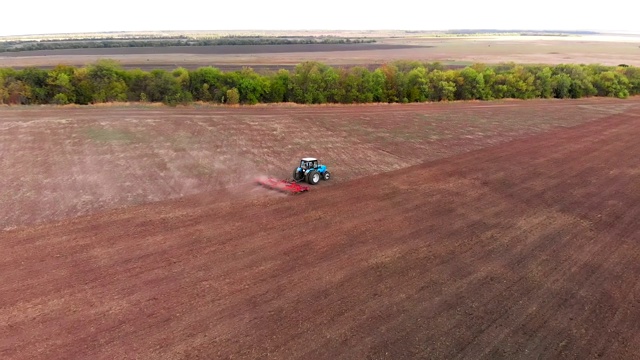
<point>484,49</point>
<point>525,249</point>
<point>64,162</point>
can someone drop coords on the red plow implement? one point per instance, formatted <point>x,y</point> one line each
<point>289,187</point>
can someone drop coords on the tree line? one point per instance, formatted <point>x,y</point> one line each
<point>314,83</point>
<point>17,46</point>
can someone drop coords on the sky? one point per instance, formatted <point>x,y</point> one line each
<point>71,16</point>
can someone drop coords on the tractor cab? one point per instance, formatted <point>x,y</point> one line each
<point>308,163</point>
<point>311,171</point>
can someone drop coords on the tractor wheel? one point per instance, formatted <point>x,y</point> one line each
<point>313,177</point>
<point>298,175</point>
<point>327,175</point>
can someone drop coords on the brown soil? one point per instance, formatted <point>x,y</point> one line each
<point>64,162</point>
<point>526,249</point>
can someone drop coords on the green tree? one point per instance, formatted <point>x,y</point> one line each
<point>308,83</point>
<point>60,99</point>
<point>405,66</point>
<point>561,84</point>
<point>279,85</point>
<point>581,85</point>
<point>4,94</point>
<point>633,76</point>
<point>206,84</point>
<point>392,89</point>
<point>592,70</point>
<point>331,85</point>
<point>544,83</point>
<point>107,82</point>
<point>355,85</point>
<point>504,67</point>
<point>138,84</point>
<point>613,84</point>
<point>36,81</point>
<point>182,77</point>
<point>500,88</point>
<point>378,86</point>
<point>442,86</point>
<point>315,83</point>
<point>164,87</point>
<point>489,76</point>
<point>436,65</point>
<point>347,87</point>
<point>470,84</point>
<point>60,85</point>
<point>18,92</point>
<point>520,83</point>
<point>417,85</point>
<point>233,96</point>
<point>6,76</point>
<point>252,87</point>
<point>83,88</point>
<point>365,84</point>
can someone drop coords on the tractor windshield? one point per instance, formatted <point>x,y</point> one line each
<point>308,164</point>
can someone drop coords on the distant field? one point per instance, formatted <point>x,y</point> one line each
<point>449,50</point>
<point>213,50</point>
<point>225,57</point>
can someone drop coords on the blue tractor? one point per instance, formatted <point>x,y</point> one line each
<point>311,171</point>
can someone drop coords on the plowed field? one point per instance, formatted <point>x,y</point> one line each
<point>517,245</point>
<point>57,163</point>
<point>585,49</point>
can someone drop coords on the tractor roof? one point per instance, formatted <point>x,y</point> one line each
<point>309,159</point>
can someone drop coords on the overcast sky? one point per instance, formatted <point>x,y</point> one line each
<point>47,16</point>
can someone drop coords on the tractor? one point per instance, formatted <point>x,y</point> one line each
<point>311,171</point>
